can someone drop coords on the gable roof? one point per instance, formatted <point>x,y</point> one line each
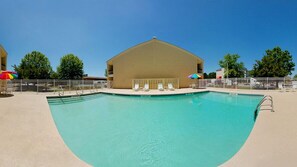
<point>151,41</point>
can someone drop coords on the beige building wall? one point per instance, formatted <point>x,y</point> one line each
<point>153,59</point>
<point>3,59</point>
<point>3,66</point>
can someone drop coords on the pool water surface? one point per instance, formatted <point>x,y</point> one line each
<point>202,129</point>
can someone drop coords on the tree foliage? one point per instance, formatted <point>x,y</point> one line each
<point>71,67</point>
<point>295,76</point>
<point>212,75</point>
<point>54,75</point>
<point>232,67</point>
<point>205,76</point>
<point>276,63</point>
<point>34,65</point>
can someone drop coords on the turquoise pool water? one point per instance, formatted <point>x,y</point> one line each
<point>203,129</point>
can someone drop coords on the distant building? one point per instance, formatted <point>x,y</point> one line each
<point>3,59</point>
<point>153,59</point>
<point>220,73</point>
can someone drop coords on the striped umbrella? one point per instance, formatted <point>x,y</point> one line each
<point>8,75</point>
<point>194,76</point>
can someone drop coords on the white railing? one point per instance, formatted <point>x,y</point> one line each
<point>56,86</point>
<point>267,83</point>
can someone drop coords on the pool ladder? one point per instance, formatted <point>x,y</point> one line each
<point>79,92</point>
<point>260,105</point>
<point>61,91</point>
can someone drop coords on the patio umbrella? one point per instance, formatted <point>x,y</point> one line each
<point>8,75</point>
<point>194,76</point>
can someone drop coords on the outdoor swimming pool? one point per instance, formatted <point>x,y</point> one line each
<point>202,129</point>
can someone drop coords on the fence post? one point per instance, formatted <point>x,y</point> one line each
<point>46,86</point>
<point>250,83</point>
<point>37,86</point>
<point>94,87</point>
<point>21,85</point>
<point>267,84</point>
<point>69,85</point>
<point>54,87</point>
<point>83,84</point>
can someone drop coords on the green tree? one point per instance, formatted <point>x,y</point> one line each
<point>54,75</point>
<point>295,76</point>
<point>205,76</point>
<point>232,67</point>
<point>212,75</point>
<point>71,67</point>
<point>276,63</point>
<point>34,65</point>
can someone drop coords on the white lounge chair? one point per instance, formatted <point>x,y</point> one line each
<point>254,82</point>
<point>10,88</point>
<point>229,82</point>
<point>146,87</point>
<point>136,87</point>
<point>2,89</point>
<point>6,88</point>
<point>280,86</point>
<point>160,87</point>
<point>294,87</point>
<point>170,86</point>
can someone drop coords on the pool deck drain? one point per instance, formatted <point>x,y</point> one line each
<point>29,136</point>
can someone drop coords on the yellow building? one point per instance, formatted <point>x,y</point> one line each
<point>3,59</point>
<point>153,61</point>
<point>3,66</point>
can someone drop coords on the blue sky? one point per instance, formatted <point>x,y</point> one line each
<point>96,30</point>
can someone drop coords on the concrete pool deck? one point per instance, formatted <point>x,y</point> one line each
<point>29,136</point>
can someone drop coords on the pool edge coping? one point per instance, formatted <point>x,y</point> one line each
<point>157,94</point>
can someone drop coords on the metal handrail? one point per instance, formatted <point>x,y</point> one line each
<point>61,89</point>
<point>79,89</point>
<point>266,97</point>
